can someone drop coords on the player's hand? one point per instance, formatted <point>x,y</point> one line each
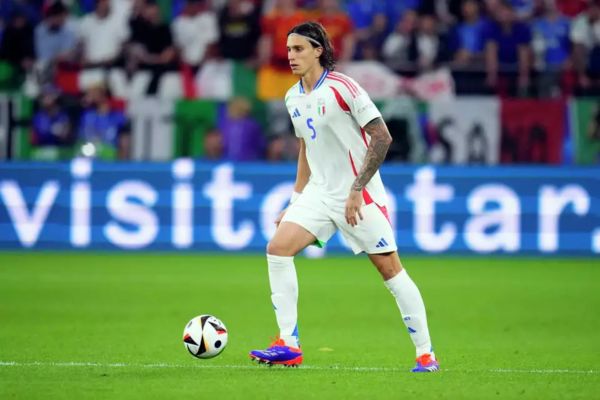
<point>353,207</point>
<point>280,216</point>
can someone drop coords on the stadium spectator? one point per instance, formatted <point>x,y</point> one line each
<point>396,47</point>
<point>275,26</point>
<point>30,9</point>
<point>274,77</point>
<point>122,10</point>
<point>136,19</point>
<point>16,46</point>
<point>586,46</point>
<point>447,11</point>
<point>213,145</point>
<point>370,28</point>
<point>151,41</point>
<point>239,30</point>
<point>466,44</point>
<point>103,131</point>
<point>102,36</point>
<point>551,47</point>
<point>394,10</point>
<point>369,44</point>
<point>86,6</point>
<point>55,37</point>
<point>51,125</point>
<point>416,45</point>
<point>242,137</point>
<point>362,14</point>
<point>524,9</point>
<point>195,32</point>
<point>508,52</point>
<point>466,37</point>
<point>282,148</point>
<point>339,26</point>
<point>428,45</point>
<point>491,7</point>
<point>571,8</point>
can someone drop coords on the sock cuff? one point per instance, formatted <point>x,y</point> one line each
<point>279,260</point>
<point>390,283</point>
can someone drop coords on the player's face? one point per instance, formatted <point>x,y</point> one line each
<point>302,55</point>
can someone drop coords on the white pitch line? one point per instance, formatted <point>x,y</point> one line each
<point>304,367</point>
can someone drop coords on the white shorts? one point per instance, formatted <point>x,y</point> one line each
<point>372,235</point>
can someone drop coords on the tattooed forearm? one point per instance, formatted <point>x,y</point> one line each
<point>380,142</point>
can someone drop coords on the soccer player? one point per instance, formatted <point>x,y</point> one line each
<point>343,141</point>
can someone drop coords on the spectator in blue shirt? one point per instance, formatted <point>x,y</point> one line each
<point>523,8</point>
<point>370,41</point>
<point>551,38</point>
<point>55,38</point>
<point>395,9</point>
<point>102,127</point>
<point>467,41</point>
<point>370,23</point>
<point>362,12</point>
<point>552,47</point>
<point>508,52</point>
<point>51,125</point>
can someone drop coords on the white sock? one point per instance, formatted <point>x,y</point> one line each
<point>411,307</point>
<point>284,295</point>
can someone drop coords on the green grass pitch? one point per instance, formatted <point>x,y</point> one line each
<point>109,326</point>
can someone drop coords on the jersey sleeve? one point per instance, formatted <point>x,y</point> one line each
<point>362,108</point>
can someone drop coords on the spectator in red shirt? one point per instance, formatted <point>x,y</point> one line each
<point>275,26</point>
<point>339,27</point>
<point>572,8</point>
<point>274,76</point>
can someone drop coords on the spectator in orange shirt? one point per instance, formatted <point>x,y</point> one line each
<point>339,27</point>
<point>275,26</point>
<point>274,75</point>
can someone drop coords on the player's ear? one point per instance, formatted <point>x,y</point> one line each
<point>318,52</point>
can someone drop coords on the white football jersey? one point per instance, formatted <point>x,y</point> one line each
<point>330,120</point>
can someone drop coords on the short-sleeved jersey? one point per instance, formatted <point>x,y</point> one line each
<point>330,120</point>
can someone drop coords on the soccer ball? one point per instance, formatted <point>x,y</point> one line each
<point>205,336</point>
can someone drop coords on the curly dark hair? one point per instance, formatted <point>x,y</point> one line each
<point>317,32</point>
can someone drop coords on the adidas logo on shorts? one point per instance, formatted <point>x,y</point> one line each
<point>296,113</point>
<point>382,243</point>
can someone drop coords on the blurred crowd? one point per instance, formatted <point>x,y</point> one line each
<point>539,48</point>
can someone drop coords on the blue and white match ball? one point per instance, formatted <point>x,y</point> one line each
<point>205,336</point>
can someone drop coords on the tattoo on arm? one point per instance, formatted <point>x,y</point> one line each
<point>378,147</point>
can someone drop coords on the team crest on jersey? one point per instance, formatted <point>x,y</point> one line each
<point>321,106</point>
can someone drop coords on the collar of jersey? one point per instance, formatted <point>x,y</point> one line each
<point>319,82</point>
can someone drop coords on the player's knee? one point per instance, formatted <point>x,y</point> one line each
<point>388,264</point>
<point>279,249</point>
